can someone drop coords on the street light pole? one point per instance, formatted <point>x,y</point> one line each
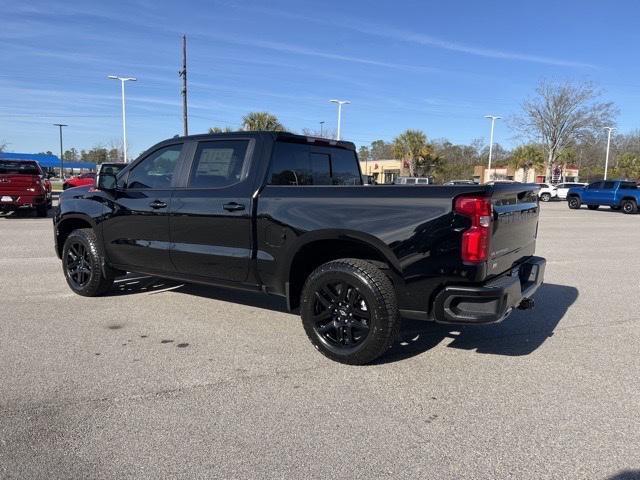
<point>321,128</point>
<point>124,114</point>
<point>606,161</point>
<point>339,103</point>
<point>60,125</point>
<point>493,122</point>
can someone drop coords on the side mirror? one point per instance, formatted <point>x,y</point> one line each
<point>106,181</point>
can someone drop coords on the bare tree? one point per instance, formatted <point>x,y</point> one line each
<point>561,114</point>
<point>326,133</point>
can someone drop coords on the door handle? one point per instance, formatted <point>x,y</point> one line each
<point>233,207</point>
<point>157,204</point>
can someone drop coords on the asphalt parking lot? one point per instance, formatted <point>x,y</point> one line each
<point>163,380</point>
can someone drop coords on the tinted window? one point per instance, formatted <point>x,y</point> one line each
<point>423,180</point>
<point>297,164</point>
<point>19,167</point>
<point>218,164</point>
<point>628,185</point>
<point>410,180</point>
<point>594,185</point>
<point>344,167</point>
<point>292,165</point>
<point>608,185</point>
<point>156,171</point>
<point>544,185</point>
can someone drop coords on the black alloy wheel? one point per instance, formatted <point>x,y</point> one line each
<point>341,315</point>
<point>84,265</point>
<point>574,203</point>
<point>78,264</point>
<point>349,311</point>
<point>629,206</point>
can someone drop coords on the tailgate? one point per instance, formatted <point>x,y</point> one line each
<point>11,184</point>
<point>515,225</point>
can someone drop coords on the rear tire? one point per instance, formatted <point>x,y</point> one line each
<point>593,207</point>
<point>82,263</point>
<point>349,311</point>
<point>574,203</point>
<point>41,210</point>
<point>545,197</point>
<point>629,206</point>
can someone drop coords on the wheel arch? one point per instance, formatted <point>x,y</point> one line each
<point>320,247</point>
<point>68,224</point>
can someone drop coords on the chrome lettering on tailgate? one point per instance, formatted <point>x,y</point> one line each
<point>519,216</point>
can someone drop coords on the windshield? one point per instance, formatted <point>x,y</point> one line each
<point>18,167</point>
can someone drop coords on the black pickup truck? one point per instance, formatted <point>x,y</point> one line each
<point>288,215</point>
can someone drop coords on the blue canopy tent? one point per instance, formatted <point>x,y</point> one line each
<point>47,161</point>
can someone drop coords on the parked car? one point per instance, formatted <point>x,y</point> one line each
<point>460,182</point>
<point>546,192</point>
<point>617,194</point>
<point>563,188</point>
<point>23,185</point>
<point>279,213</point>
<point>412,181</point>
<point>88,178</point>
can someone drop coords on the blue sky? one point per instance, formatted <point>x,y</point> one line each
<point>436,66</point>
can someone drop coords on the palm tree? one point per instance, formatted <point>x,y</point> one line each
<point>256,121</point>
<point>412,146</point>
<point>526,157</point>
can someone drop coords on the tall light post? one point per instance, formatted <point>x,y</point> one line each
<point>321,128</point>
<point>493,122</point>
<point>124,114</point>
<point>339,103</point>
<point>606,161</point>
<point>60,125</point>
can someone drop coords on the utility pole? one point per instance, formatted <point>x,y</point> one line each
<point>60,125</point>
<point>339,103</point>
<point>606,161</point>
<point>321,128</point>
<point>493,122</point>
<point>124,113</point>
<point>183,73</point>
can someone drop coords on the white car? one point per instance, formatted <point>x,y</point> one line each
<point>563,188</point>
<point>547,192</point>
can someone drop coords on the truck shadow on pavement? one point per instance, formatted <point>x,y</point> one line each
<point>520,334</point>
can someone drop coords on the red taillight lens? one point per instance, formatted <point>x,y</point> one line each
<point>475,241</point>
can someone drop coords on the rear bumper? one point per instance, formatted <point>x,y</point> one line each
<point>22,201</point>
<point>493,301</point>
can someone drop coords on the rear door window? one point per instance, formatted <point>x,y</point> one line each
<point>628,186</point>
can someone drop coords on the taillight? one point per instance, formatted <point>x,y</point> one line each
<point>475,241</point>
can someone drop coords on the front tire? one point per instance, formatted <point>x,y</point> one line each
<point>574,203</point>
<point>349,311</point>
<point>545,197</point>
<point>82,262</point>
<point>629,206</point>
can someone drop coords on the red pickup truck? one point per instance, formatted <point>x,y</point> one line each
<point>23,185</point>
